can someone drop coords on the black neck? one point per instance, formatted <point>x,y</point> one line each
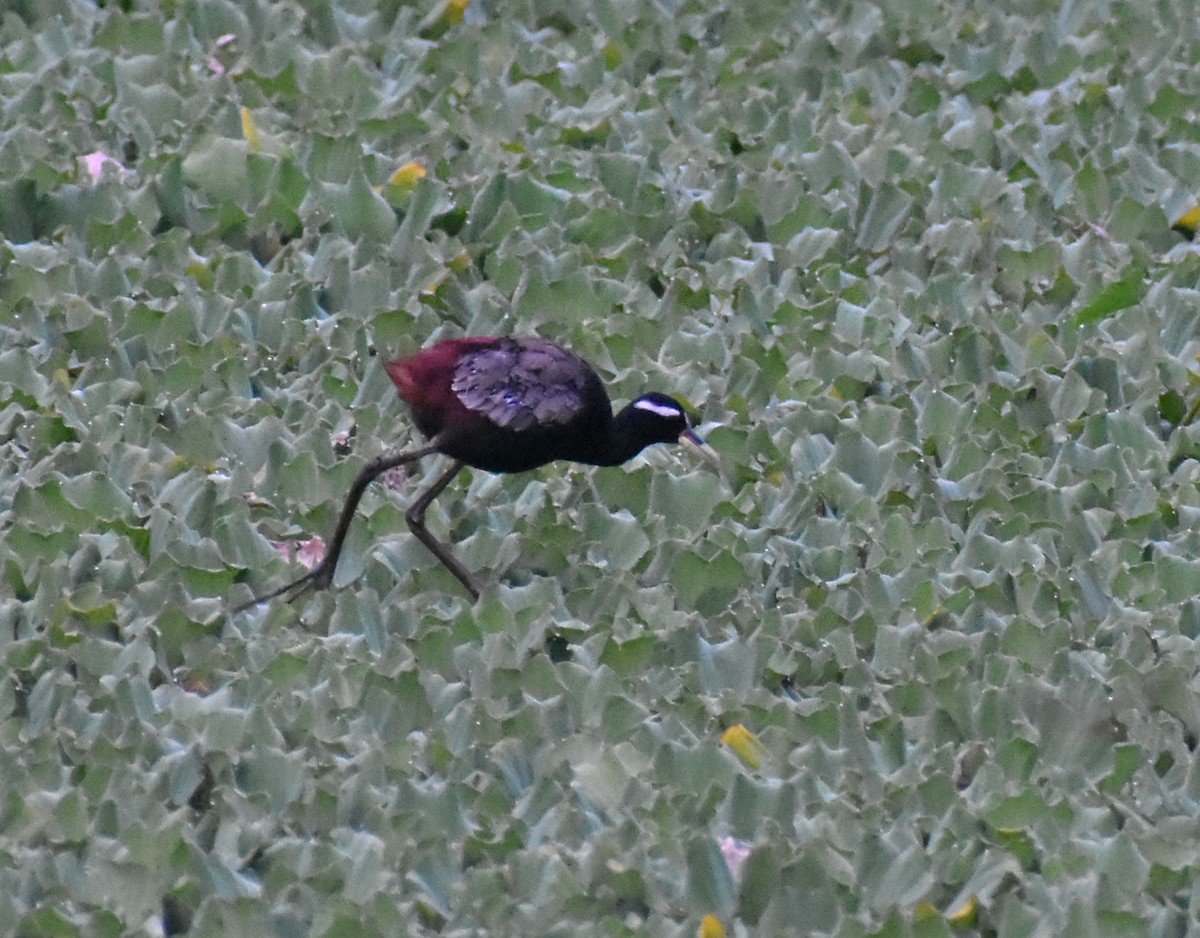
<point>627,435</point>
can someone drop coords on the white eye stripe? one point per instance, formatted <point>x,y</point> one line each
<point>661,410</point>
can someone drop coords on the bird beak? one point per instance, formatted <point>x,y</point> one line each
<point>697,447</point>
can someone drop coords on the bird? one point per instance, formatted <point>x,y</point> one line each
<point>503,404</point>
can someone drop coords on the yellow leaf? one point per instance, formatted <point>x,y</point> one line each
<point>745,744</point>
<point>711,927</point>
<point>1189,221</point>
<point>407,175</point>
<point>455,10</point>
<point>929,619</point>
<point>250,131</point>
<point>966,914</point>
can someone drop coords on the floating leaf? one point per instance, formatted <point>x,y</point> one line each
<point>1188,222</point>
<point>745,744</point>
<point>250,131</point>
<point>1120,294</point>
<point>965,915</point>
<point>217,166</point>
<point>407,176</point>
<point>887,211</point>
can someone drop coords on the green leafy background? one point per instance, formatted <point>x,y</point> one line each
<point>912,262</point>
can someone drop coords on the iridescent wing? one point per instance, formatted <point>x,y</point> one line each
<point>520,384</point>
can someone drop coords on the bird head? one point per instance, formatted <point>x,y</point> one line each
<point>658,418</point>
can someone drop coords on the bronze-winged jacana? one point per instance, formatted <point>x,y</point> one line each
<point>504,405</point>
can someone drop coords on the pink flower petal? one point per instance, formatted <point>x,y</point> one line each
<point>91,166</point>
<point>311,552</point>
<point>735,852</point>
<point>395,478</point>
<point>308,553</point>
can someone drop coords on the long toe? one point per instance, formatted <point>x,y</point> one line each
<point>315,580</point>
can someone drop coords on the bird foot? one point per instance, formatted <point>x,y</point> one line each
<point>318,578</point>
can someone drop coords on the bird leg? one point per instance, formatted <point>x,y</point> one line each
<point>320,576</point>
<point>415,516</point>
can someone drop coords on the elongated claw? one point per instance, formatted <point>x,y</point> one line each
<point>318,578</point>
